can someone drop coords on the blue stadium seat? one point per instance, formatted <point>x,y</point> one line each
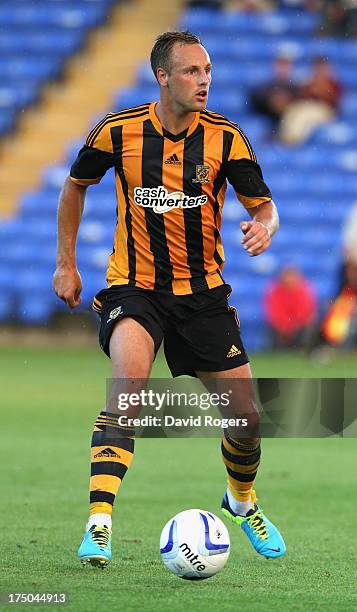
<point>245,48</point>
<point>11,230</point>
<point>35,40</point>
<point>236,22</point>
<point>313,184</point>
<point>349,105</point>
<point>54,176</point>
<point>140,95</point>
<point>51,14</point>
<point>347,75</point>
<point>44,230</point>
<point>42,203</point>
<point>34,309</point>
<point>201,20</point>
<point>248,75</point>
<point>15,96</point>
<point>346,160</point>
<point>95,233</point>
<point>60,43</point>
<point>227,102</point>
<point>7,120</point>
<point>274,23</point>
<point>30,253</point>
<point>6,279</point>
<point>6,307</point>
<point>144,75</point>
<point>93,281</point>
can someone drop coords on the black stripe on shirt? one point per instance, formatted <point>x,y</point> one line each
<point>152,160</point>
<point>117,139</point>
<point>194,156</point>
<point>217,186</point>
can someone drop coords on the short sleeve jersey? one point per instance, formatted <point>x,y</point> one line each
<point>170,194</point>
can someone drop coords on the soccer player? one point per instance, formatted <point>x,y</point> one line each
<point>172,159</point>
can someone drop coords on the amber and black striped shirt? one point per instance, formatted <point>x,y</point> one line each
<point>170,194</point>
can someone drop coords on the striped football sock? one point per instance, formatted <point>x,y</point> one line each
<point>112,451</point>
<point>241,459</point>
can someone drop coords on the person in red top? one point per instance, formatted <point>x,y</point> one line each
<point>290,308</point>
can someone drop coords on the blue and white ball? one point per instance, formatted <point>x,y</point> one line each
<point>194,544</point>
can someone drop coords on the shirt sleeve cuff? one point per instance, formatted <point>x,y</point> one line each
<point>249,202</point>
<point>85,182</point>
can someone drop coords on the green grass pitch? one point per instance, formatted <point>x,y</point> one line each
<point>50,398</point>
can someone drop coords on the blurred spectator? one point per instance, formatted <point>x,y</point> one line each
<point>339,18</point>
<point>214,4</point>
<point>350,236</point>
<point>274,97</point>
<point>290,309</point>
<point>251,6</point>
<point>319,97</point>
<point>340,324</point>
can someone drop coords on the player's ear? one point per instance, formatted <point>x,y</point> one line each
<point>162,77</point>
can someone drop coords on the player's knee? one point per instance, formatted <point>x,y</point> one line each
<point>137,367</point>
<point>131,350</point>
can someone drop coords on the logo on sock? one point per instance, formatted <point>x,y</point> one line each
<point>107,452</point>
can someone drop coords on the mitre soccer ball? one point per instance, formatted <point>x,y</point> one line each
<point>194,544</point>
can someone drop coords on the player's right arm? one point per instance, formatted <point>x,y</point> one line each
<point>66,280</point>
<point>92,162</point>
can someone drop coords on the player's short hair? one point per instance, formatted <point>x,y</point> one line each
<point>161,52</point>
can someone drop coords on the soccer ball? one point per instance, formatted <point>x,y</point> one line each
<point>194,544</point>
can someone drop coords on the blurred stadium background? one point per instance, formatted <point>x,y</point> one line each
<point>63,65</point>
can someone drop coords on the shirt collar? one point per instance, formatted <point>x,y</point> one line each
<point>159,128</point>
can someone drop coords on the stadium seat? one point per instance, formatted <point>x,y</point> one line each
<point>6,307</point>
<point>6,279</point>
<point>35,40</point>
<point>42,204</point>
<point>313,184</point>
<point>34,310</point>
<point>7,120</point>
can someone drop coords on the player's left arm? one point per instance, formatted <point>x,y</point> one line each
<point>245,175</point>
<point>258,232</point>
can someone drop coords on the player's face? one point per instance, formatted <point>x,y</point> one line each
<point>189,78</point>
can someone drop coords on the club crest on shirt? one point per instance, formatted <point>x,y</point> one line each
<point>202,175</point>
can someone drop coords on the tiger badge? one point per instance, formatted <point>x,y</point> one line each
<point>202,175</point>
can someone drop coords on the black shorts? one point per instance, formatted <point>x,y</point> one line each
<point>200,330</point>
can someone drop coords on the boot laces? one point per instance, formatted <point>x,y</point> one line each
<point>256,522</point>
<point>100,535</point>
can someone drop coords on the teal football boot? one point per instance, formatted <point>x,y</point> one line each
<point>263,535</point>
<point>96,546</point>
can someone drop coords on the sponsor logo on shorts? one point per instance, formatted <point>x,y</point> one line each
<point>115,313</point>
<point>202,175</point>
<point>161,200</point>
<point>233,351</point>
